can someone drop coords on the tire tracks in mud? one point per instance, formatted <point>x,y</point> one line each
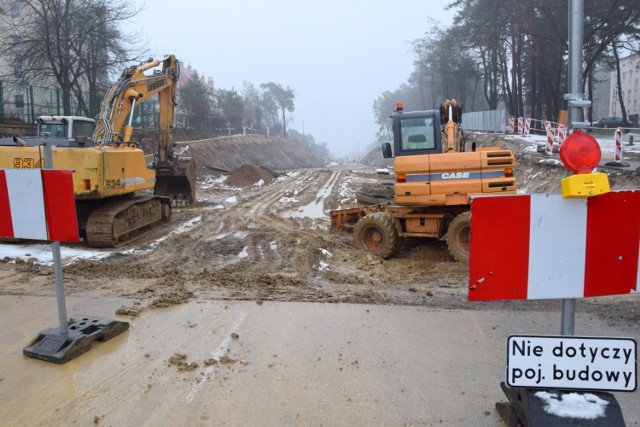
<point>246,246</point>
<point>286,259</point>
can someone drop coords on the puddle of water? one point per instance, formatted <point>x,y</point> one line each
<point>314,209</point>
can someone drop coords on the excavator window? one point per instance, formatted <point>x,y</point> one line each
<point>417,133</point>
<point>81,128</point>
<point>56,130</point>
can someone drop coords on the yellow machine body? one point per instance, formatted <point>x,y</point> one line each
<point>99,172</point>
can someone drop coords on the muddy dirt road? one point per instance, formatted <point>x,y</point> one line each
<point>240,247</point>
<point>262,242</point>
<point>266,239</point>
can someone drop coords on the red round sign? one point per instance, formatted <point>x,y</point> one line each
<point>580,152</point>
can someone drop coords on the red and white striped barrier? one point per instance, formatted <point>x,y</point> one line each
<point>545,246</point>
<point>618,153</point>
<point>520,125</point>
<point>548,150</point>
<point>527,126</point>
<point>512,124</point>
<point>562,133</point>
<point>38,205</point>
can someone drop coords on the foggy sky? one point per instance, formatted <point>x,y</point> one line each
<point>338,56</point>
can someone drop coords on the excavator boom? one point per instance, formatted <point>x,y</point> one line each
<point>175,176</point>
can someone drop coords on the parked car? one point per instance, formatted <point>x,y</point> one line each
<point>612,122</point>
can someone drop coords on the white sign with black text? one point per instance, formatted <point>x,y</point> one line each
<point>570,362</point>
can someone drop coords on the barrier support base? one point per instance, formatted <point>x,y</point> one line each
<point>54,346</point>
<point>525,409</point>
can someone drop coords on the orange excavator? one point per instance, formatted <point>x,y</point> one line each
<point>435,178</point>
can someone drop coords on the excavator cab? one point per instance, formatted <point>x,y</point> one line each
<point>415,132</point>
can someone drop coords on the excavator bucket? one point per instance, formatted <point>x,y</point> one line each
<point>177,181</point>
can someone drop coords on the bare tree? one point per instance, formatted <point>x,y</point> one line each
<point>75,44</point>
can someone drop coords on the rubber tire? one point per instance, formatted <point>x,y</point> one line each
<point>458,235</point>
<point>377,234</point>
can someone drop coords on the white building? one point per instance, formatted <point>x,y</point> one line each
<point>630,82</point>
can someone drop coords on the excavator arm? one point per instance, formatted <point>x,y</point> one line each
<point>450,117</point>
<point>135,87</point>
<point>175,176</point>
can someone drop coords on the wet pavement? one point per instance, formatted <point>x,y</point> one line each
<point>271,364</point>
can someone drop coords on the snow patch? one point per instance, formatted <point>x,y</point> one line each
<point>214,208</point>
<point>573,405</point>
<point>43,255</point>
<point>185,226</point>
<point>211,182</point>
<point>326,252</point>
<point>551,161</point>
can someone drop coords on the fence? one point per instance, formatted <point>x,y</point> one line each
<point>23,103</point>
<point>26,102</point>
<point>488,121</point>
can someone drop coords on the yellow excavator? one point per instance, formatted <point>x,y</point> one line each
<point>109,171</point>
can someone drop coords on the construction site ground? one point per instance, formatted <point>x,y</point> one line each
<point>246,310</point>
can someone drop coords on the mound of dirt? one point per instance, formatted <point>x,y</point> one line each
<point>247,175</point>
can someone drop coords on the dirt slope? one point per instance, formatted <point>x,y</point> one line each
<point>229,153</point>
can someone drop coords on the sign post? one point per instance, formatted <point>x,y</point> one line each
<point>57,261</point>
<point>39,204</point>
<point>548,246</point>
<point>561,247</point>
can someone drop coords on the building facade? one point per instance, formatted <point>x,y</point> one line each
<point>630,85</point>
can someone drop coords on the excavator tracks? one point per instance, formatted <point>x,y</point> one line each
<point>123,220</point>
